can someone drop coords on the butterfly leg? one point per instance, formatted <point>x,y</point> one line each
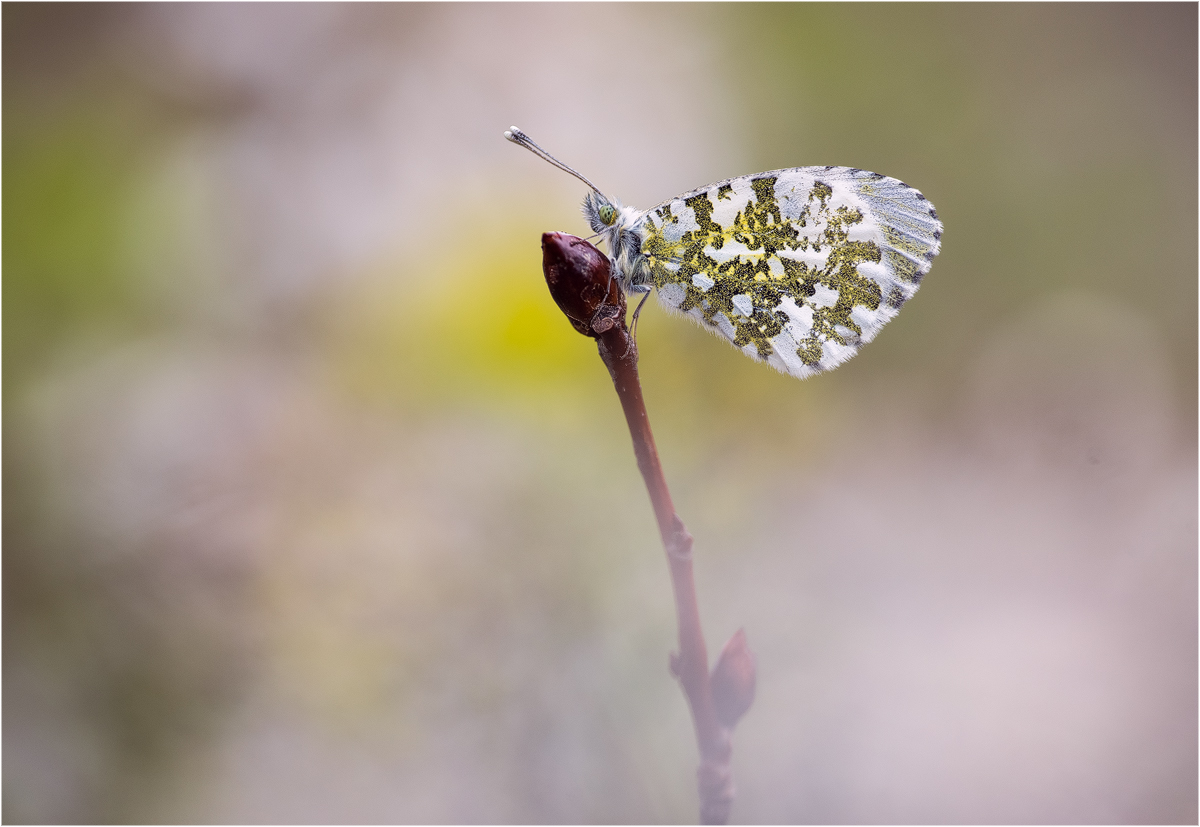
<point>644,289</point>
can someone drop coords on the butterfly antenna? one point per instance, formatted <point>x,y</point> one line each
<point>521,139</point>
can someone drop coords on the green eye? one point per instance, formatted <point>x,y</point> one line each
<point>607,214</point>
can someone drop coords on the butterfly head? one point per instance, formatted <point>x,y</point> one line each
<point>601,214</point>
<point>618,225</point>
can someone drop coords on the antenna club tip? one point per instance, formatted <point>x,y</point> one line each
<point>513,134</point>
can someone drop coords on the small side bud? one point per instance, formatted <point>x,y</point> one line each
<point>733,680</point>
<point>580,280</point>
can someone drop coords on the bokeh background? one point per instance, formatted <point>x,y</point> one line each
<point>317,510</point>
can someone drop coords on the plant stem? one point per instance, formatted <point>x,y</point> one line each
<point>690,665</point>
<point>580,280</point>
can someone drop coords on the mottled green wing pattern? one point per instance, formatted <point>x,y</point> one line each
<point>796,267</point>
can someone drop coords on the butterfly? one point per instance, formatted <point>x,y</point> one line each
<point>798,268</point>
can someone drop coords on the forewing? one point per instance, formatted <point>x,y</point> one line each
<point>796,267</point>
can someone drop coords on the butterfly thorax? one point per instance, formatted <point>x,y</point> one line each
<point>622,229</point>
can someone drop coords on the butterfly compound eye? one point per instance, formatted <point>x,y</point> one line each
<point>608,214</point>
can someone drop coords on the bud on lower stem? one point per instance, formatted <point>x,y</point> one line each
<point>733,680</point>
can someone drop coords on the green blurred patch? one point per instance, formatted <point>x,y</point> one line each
<point>68,183</point>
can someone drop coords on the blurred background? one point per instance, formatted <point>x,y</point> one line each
<point>317,510</point>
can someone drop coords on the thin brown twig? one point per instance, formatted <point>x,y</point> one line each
<point>581,282</point>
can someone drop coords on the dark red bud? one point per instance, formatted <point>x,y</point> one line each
<point>580,280</point>
<point>733,680</point>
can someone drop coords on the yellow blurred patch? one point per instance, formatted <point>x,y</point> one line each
<point>476,329</point>
<point>473,325</point>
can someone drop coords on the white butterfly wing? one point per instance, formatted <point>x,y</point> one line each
<point>796,267</point>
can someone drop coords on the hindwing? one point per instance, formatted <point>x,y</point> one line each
<point>796,267</point>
